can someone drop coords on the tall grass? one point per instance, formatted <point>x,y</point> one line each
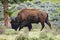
<point>34,34</point>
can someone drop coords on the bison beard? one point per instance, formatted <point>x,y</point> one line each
<point>28,16</point>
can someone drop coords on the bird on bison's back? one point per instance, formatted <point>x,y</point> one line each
<point>28,16</point>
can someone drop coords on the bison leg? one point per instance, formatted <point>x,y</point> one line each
<point>29,27</point>
<point>22,25</point>
<point>48,23</point>
<point>20,28</point>
<point>42,26</point>
<point>15,29</point>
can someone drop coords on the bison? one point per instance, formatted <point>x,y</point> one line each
<point>26,17</point>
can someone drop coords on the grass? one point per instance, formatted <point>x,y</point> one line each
<point>52,1</point>
<point>34,34</point>
<point>58,9</point>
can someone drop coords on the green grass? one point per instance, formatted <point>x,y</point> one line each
<point>58,9</point>
<point>15,13</point>
<point>52,1</point>
<point>34,34</point>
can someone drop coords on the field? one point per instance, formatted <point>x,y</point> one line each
<point>34,34</point>
<point>53,6</point>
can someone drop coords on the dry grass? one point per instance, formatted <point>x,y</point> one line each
<point>34,34</point>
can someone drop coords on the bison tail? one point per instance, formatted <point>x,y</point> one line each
<point>46,18</point>
<point>47,22</point>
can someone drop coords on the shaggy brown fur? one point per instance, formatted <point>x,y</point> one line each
<point>28,16</point>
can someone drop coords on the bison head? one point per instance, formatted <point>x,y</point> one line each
<point>14,24</point>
